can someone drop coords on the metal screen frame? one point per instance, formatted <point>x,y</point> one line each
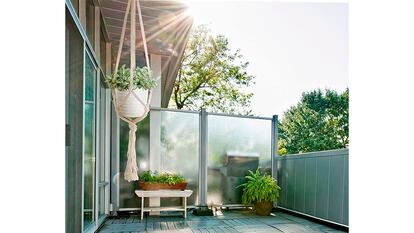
<point>203,153</point>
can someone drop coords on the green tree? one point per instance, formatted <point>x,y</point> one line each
<point>211,76</point>
<point>318,122</point>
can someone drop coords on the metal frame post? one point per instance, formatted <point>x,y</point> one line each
<point>203,209</point>
<point>203,157</point>
<point>274,145</point>
<point>114,183</point>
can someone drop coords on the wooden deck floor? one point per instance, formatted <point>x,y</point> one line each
<point>229,221</point>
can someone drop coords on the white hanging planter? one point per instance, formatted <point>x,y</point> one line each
<point>129,105</point>
<point>132,105</point>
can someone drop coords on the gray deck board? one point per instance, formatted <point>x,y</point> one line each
<point>230,221</point>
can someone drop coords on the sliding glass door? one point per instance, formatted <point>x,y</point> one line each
<point>95,146</point>
<point>89,142</point>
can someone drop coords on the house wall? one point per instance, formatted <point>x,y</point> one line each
<point>86,40</point>
<point>315,184</point>
<point>74,125</point>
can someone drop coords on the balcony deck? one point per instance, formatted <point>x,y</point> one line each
<point>229,221</point>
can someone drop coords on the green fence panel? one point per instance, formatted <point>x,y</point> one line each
<point>310,186</point>
<point>315,184</point>
<point>300,185</point>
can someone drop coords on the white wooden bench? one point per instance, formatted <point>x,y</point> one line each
<point>164,193</point>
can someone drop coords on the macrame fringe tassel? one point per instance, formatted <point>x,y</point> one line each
<point>131,170</point>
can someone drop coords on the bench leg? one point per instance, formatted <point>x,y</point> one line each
<point>142,208</point>
<point>185,207</point>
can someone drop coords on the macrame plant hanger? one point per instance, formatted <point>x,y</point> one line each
<point>131,170</point>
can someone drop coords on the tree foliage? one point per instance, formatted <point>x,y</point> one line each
<point>211,76</point>
<point>318,122</point>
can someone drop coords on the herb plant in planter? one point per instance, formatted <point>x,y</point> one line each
<point>142,82</point>
<point>260,191</point>
<point>150,180</point>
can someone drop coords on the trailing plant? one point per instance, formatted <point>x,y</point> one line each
<point>163,178</point>
<point>259,188</point>
<point>121,79</point>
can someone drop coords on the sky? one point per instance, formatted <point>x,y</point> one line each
<point>291,47</point>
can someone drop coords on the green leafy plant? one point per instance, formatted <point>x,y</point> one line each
<point>121,79</point>
<point>148,176</point>
<point>163,178</point>
<point>259,188</point>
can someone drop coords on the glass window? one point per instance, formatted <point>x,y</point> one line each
<point>89,144</point>
<point>101,209</point>
<point>235,145</point>
<point>90,21</point>
<point>89,82</point>
<point>102,49</point>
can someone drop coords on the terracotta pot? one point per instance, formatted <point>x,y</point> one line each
<point>264,208</point>
<point>158,186</point>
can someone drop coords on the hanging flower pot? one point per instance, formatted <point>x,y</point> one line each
<point>131,87</point>
<point>129,106</point>
<point>131,97</point>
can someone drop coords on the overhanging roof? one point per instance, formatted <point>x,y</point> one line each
<point>167,27</point>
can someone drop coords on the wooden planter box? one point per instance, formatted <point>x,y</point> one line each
<point>158,186</point>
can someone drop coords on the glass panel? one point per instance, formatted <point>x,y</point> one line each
<point>235,146</point>
<point>90,74</point>
<point>127,197</point>
<point>89,144</point>
<point>180,150</point>
<point>90,21</point>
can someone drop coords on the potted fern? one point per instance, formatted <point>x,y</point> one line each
<point>260,191</point>
<point>129,106</point>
